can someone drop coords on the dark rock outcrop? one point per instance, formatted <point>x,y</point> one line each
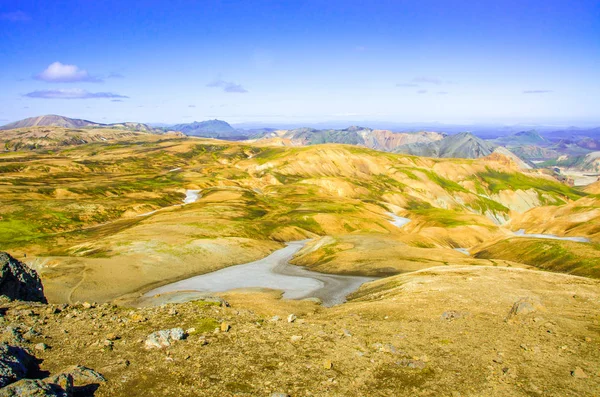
<point>18,281</point>
<point>15,363</point>
<point>34,388</point>
<point>19,370</point>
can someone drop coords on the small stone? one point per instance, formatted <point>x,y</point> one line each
<point>52,310</point>
<point>291,318</point>
<point>452,315</point>
<point>112,336</point>
<point>578,373</point>
<point>296,338</point>
<point>274,319</point>
<point>327,364</point>
<point>411,363</point>
<point>190,331</point>
<point>347,333</point>
<point>588,339</point>
<point>280,395</point>
<point>138,318</point>
<point>173,311</point>
<point>87,305</point>
<point>41,347</point>
<point>225,327</point>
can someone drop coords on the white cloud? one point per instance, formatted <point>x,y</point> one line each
<point>228,86</point>
<point>74,93</point>
<point>60,73</point>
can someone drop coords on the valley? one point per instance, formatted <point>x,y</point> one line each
<point>430,254</point>
<point>87,209</point>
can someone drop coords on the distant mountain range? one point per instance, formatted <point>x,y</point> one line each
<point>568,147</point>
<point>375,139</point>
<point>52,120</point>
<point>209,129</point>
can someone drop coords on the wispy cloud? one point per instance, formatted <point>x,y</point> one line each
<point>427,80</point>
<point>191,106</point>
<point>423,81</point>
<point>74,93</point>
<point>116,100</point>
<point>58,72</point>
<point>15,16</point>
<point>537,91</point>
<point>227,86</point>
<point>115,75</point>
<point>422,92</point>
<point>442,92</point>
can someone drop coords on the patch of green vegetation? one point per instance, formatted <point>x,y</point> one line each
<point>386,183</point>
<point>484,204</point>
<point>414,204</point>
<point>8,168</point>
<point>570,161</point>
<point>564,256</point>
<point>205,325</point>
<point>444,218</point>
<point>421,244</point>
<point>269,154</point>
<point>201,303</point>
<point>17,231</point>
<point>498,181</point>
<point>446,184</point>
<point>408,173</point>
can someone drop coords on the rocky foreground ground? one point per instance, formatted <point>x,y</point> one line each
<point>445,331</point>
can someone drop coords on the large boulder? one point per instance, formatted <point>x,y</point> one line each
<point>164,338</point>
<point>18,281</point>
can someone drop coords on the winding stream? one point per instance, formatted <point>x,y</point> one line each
<point>191,196</point>
<point>273,272</point>
<point>521,233</point>
<point>397,221</point>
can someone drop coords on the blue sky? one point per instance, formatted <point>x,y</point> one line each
<point>302,61</point>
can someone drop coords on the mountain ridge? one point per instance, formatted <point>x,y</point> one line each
<point>461,145</point>
<point>209,129</point>
<point>384,140</point>
<point>54,120</point>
